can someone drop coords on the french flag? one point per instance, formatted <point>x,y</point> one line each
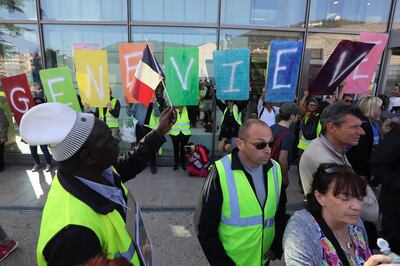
<point>146,78</point>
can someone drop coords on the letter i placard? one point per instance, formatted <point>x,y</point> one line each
<point>18,95</point>
<point>232,74</point>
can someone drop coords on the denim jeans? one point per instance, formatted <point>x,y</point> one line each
<point>3,235</point>
<point>45,151</point>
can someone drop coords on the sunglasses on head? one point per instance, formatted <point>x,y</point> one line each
<point>333,168</point>
<point>263,144</point>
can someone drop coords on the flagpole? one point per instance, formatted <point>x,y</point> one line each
<point>159,72</point>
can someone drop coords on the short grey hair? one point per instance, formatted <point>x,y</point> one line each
<point>335,113</point>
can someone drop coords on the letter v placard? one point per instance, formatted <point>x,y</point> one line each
<point>182,75</point>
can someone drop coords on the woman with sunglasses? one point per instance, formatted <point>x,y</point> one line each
<point>329,231</point>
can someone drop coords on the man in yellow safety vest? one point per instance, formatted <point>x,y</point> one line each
<point>240,219</point>
<point>88,209</point>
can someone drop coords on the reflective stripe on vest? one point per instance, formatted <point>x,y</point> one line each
<point>111,121</point>
<point>235,219</point>
<point>182,124</point>
<point>236,115</point>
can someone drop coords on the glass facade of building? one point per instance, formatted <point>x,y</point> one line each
<point>37,34</point>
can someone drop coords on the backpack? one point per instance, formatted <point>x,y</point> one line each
<point>309,127</point>
<point>276,149</point>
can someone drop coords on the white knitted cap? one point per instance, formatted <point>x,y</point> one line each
<point>56,125</point>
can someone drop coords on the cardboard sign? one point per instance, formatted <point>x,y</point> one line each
<point>182,70</point>
<point>359,80</point>
<point>283,71</point>
<point>232,74</point>
<point>129,57</point>
<point>58,86</point>
<point>344,59</point>
<point>92,77</point>
<point>18,95</point>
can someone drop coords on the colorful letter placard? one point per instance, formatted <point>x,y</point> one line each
<point>182,70</point>
<point>283,71</point>
<point>344,59</point>
<point>129,57</point>
<point>18,95</point>
<point>92,77</point>
<point>58,86</point>
<point>358,81</point>
<point>232,74</point>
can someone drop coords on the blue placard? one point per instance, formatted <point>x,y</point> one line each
<point>232,74</point>
<point>283,71</point>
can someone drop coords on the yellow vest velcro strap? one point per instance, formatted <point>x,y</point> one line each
<point>269,222</point>
<point>128,254</point>
<point>248,221</point>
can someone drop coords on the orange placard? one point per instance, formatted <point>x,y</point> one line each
<point>129,57</point>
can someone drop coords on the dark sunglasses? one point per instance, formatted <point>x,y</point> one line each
<point>348,101</point>
<point>262,145</point>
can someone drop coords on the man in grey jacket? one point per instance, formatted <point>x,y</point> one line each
<point>341,129</point>
<point>3,136</point>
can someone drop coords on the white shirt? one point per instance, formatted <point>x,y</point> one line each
<point>266,116</point>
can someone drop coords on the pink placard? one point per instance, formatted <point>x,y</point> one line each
<point>358,81</point>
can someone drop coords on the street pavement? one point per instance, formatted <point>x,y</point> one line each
<point>167,199</point>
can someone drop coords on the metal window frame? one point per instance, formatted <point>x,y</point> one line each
<point>129,23</point>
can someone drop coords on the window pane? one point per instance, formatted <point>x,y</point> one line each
<point>205,39</point>
<point>13,10</point>
<point>283,13</point>
<point>257,41</point>
<point>396,19</point>
<point>392,71</point>
<point>319,48</point>
<point>187,11</point>
<point>19,53</point>
<point>84,10</point>
<point>364,15</point>
<point>58,48</point>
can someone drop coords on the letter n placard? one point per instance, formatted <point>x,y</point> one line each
<point>232,74</point>
<point>283,71</point>
<point>18,95</point>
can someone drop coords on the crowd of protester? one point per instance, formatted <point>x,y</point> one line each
<point>347,150</point>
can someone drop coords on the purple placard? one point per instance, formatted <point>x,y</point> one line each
<point>344,59</point>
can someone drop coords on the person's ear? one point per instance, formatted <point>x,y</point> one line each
<point>240,143</point>
<point>330,127</point>
<point>320,198</point>
<point>87,157</point>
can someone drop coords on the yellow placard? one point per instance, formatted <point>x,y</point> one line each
<point>92,77</point>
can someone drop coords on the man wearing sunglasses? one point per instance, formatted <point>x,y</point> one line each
<point>240,219</point>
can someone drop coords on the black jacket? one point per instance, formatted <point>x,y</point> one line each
<point>359,155</point>
<point>385,165</point>
<point>76,244</point>
<point>208,214</point>
<point>229,126</point>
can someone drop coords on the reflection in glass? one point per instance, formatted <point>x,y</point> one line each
<point>18,10</point>
<point>186,11</point>
<point>205,40</point>
<point>19,51</point>
<point>283,13</point>
<point>107,10</point>
<point>365,15</point>
<point>392,71</point>
<point>58,48</point>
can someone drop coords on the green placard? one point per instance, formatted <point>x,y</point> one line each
<point>182,75</point>
<point>58,86</point>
